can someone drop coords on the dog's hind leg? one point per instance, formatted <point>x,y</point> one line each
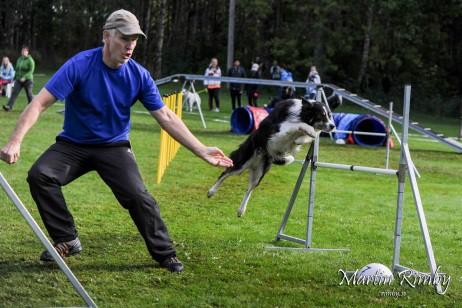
<point>255,177</point>
<point>244,202</point>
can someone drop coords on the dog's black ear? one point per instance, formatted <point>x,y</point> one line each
<point>307,101</point>
<point>334,101</point>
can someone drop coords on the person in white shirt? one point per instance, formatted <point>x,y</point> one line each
<point>213,86</point>
<point>6,73</point>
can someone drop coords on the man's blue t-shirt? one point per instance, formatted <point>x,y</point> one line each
<point>98,98</point>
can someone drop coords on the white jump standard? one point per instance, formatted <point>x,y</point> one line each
<point>406,166</point>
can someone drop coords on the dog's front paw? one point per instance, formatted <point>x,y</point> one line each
<point>307,131</point>
<point>303,140</point>
<point>284,160</point>
<point>289,159</point>
<point>210,193</point>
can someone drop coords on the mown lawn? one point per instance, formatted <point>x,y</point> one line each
<point>225,257</point>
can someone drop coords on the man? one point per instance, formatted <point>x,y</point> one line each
<point>275,71</point>
<point>252,89</point>
<point>286,75</point>
<point>99,86</point>
<point>235,89</point>
<point>25,67</point>
<point>313,80</point>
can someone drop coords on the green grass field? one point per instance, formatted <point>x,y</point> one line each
<point>225,257</point>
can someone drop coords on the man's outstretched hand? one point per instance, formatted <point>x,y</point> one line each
<point>215,156</point>
<point>10,153</point>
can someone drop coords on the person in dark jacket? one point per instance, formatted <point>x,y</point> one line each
<point>235,89</point>
<point>252,89</point>
<point>25,67</point>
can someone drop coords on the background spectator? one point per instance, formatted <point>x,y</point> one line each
<point>25,67</point>
<point>287,91</point>
<point>213,86</point>
<point>275,71</point>
<point>235,89</point>
<point>313,80</point>
<point>252,89</point>
<point>6,73</point>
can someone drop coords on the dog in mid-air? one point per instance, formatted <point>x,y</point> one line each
<point>291,124</point>
<point>190,100</point>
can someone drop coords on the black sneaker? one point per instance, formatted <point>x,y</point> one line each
<point>6,108</point>
<point>172,264</point>
<point>64,249</point>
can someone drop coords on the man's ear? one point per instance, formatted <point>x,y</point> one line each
<point>106,36</point>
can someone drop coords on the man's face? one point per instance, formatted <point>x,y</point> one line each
<point>120,47</point>
<point>237,63</point>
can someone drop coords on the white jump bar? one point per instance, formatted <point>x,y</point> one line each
<point>358,133</point>
<point>356,168</point>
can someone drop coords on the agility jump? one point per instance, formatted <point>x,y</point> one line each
<point>406,166</point>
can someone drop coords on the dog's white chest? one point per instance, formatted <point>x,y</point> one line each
<point>290,136</point>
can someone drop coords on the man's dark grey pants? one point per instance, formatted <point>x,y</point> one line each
<point>64,162</point>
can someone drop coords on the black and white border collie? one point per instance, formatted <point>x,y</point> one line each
<point>292,123</point>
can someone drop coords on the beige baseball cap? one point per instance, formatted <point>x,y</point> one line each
<point>125,22</point>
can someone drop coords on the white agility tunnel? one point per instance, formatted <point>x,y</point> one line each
<point>406,166</point>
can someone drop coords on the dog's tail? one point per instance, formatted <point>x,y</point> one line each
<point>244,153</point>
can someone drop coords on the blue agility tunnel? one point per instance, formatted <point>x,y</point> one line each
<point>360,123</point>
<point>246,119</point>
<point>241,121</point>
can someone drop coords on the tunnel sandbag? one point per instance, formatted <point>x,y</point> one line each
<point>360,123</point>
<point>245,120</point>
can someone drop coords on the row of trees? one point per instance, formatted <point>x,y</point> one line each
<point>370,46</point>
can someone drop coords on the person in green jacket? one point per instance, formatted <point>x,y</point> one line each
<point>25,67</point>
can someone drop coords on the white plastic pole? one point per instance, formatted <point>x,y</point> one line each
<point>415,189</point>
<point>294,195</point>
<point>390,117</point>
<point>359,133</point>
<point>356,168</point>
<point>42,237</point>
<point>312,192</point>
<point>198,106</point>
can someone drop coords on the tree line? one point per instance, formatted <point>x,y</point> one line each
<point>370,46</point>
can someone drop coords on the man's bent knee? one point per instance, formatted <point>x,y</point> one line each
<point>41,174</point>
<point>137,199</point>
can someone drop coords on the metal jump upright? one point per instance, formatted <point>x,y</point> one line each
<point>406,166</point>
